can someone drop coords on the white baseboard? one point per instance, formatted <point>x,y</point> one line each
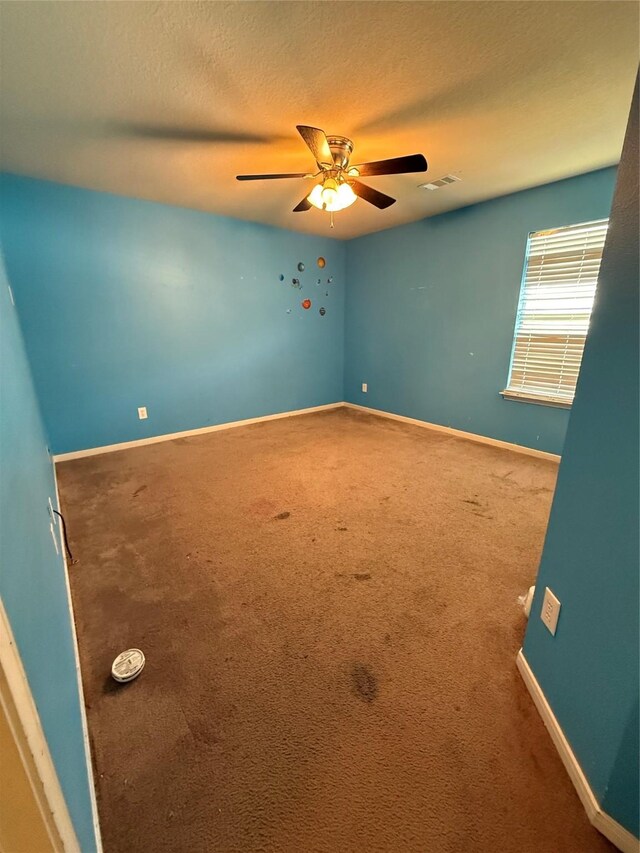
<point>155,439</point>
<point>76,653</point>
<point>611,829</point>
<point>36,743</point>
<point>458,433</point>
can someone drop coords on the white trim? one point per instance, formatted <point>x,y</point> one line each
<point>15,675</point>
<point>83,712</point>
<point>458,433</point>
<point>611,829</point>
<point>523,397</point>
<point>154,439</point>
<point>16,729</point>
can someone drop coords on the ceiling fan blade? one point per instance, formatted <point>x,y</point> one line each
<point>272,177</point>
<point>374,197</point>
<point>318,144</point>
<point>394,166</point>
<point>305,204</point>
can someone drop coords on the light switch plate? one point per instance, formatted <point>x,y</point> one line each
<point>365,387</point>
<point>53,536</point>
<point>550,610</point>
<point>142,413</point>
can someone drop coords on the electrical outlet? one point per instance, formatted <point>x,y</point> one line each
<point>142,412</point>
<point>365,387</point>
<point>550,611</point>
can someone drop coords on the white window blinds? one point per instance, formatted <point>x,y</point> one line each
<point>556,299</point>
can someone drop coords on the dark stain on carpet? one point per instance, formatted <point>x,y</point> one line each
<point>364,682</point>
<point>281,516</point>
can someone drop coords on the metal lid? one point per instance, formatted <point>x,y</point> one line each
<point>128,665</point>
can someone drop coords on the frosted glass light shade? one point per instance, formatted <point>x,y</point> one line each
<point>332,197</point>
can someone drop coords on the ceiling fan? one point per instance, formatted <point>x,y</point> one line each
<point>339,186</point>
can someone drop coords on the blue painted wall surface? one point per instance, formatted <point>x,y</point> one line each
<point>128,303</point>
<point>589,670</point>
<point>32,582</point>
<point>431,309</point>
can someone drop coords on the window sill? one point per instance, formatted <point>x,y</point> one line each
<point>538,401</point>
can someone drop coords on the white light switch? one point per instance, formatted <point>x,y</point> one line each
<point>142,412</point>
<point>364,387</point>
<point>550,610</point>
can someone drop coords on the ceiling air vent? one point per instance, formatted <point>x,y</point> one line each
<point>441,182</point>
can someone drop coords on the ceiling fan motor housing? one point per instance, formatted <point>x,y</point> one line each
<point>341,150</point>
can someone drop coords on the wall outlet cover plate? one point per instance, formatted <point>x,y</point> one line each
<point>550,610</point>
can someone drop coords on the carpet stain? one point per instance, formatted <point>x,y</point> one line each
<point>281,515</point>
<point>341,528</point>
<point>364,682</point>
<point>362,576</point>
<point>138,490</point>
<point>469,501</point>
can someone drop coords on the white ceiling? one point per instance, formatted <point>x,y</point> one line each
<point>169,101</point>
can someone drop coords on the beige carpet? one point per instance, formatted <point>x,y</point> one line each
<point>328,608</point>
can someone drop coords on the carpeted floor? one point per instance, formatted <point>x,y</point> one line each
<point>328,608</point>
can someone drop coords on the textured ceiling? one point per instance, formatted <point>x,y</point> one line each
<point>168,101</point>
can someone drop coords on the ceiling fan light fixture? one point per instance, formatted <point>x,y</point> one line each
<point>331,196</point>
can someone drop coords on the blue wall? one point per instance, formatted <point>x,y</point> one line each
<point>589,670</point>
<point>127,303</point>
<point>32,582</point>
<point>431,310</point>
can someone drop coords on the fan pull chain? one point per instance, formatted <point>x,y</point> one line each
<point>331,218</point>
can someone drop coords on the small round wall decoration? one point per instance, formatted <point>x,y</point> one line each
<point>295,282</point>
<point>330,280</point>
<point>321,263</point>
<point>322,312</point>
<point>281,277</point>
<point>306,304</point>
<point>300,267</point>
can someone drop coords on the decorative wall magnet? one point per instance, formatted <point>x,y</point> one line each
<point>322,312</point>
<point>330,279</point>
<point>281,276</point>
<point>295,282</point>
<point>321,263</point>
<point>300,267</point>
<point>306,304</point>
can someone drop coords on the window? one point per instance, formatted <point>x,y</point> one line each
<point>558,289</point>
